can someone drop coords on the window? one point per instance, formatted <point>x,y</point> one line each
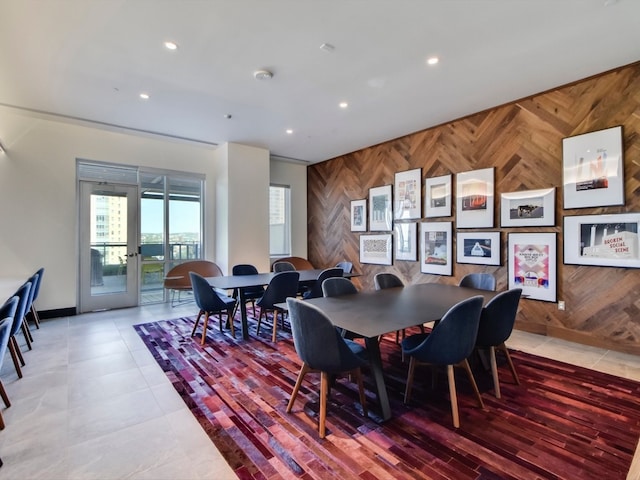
<point>279,221</point>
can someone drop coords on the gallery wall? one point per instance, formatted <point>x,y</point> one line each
<point>523,143</point>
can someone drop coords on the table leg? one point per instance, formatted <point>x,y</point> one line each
<point>243,314</point>
<point>375,361</point>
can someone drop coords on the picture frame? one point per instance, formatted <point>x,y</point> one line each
<point>602,240</point>
<point>359,215</point>
<point>532,265</point>
<point>406,240</point>
<point>475,198</point>
<point>408,195</point>
<point>380,213</point>
<point>528,208</point>
<point>436,248</point>
<point>480,248</point>
<point>437,196</point>
<point>376,249</point>
<point>593,169</point>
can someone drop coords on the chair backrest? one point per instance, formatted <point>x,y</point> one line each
<point>387,280</point>
<point>23,293</point>
<point>337,286</point>
<point>316,289</point>
<point>454,337</point>
<point>283,267</point>
<point>316,340</point>
<point>178,276</point>
<point>498,317</point>
<point>481,281</point>
<point>35,281</point>
<point>281,286</point>
<point>204,295</point>
<point>246,269</point>
<point>299,263</point>
<point>7,315</point>
<point>346,267</point>
<point>40,273</point>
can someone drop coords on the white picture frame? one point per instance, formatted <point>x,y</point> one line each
<point>480,248</point>
<point>380,209</point>
<point>475,198</point>
<point>405,242</point>
<point>376,249</point>
<point>593,169</point>
<point>528,208</point>
<point>359,215</point>
<point>436,248</point>
<point>408,195</point>
<point>437,196</point>
<point>532,265</point>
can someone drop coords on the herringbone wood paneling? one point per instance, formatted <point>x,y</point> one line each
<point>523,142</point>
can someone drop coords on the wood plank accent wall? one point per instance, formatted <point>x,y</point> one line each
<point>523,141</point>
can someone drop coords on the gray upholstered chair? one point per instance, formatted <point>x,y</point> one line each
<point>210,303</point>
<point>481,281</point>
<point>316,289</point>
<point>282,286</point>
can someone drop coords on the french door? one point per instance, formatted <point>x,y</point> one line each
<point>108,246</point>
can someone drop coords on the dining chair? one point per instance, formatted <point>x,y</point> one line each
<point>251,294</point>
<point>449,344</point>
<point>316,289</point>
<point>7,314</point>
<point>322,349</point>
<point>282,286</point>
<point>347,267</point>
<point>36,290</point>
<point>481,281</point>
<point>496,324</point>
<point>210,303</point>
<point>337,286</point>
<point>283,267</point>
<point>385,280</point>
<point>35,280</point>
<point>18,324</point>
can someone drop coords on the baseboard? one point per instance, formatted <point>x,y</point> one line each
<point>57,313</point>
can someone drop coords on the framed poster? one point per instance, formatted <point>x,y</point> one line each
<point>602,240</point>
<point>437,196</point>
<point>435,248</point>
<point>408,198</point>
<point>358,215</point>
<point>376,249</point>
<point>474,199</point>
<point>406,241</point>
<point>593,169</point>
<point>380,209</point>
<point>528,208</point>
<point>532,265</point>
<point>482,248</point>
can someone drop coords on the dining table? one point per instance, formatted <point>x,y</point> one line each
<point>374,313</point>
<point>241,282</point>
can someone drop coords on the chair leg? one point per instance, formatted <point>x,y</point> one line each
<point>5,397</point>
<point>465,365</point>
<point>494,371</point>
<point>259,322</point>
<point>303,371</point>
<point>454,397</point>
<point>407,389</point>
<point>363,399</point>
<point>324,389</point>
<point>1,422</point>
<point>193,332</point>
<point>36,317</point>
<point>204,328</point>
<point>505,350</point>
<point>275,325</point>
<point>230,317</point>
<point>16,356</point>
<point>27,333</point>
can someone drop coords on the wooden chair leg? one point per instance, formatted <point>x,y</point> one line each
<point>324,389</point>
<point>5,397</point>
<point>363,399</point>
<point>36,317</point>
<point>231,326</point>
<point>494,371</point>
<point>1,422</point>
<point>303,371</point>
<point>454,397</point>
<point>259,322</point>
<point>407,388</point>
<point>275,325</point>
<point>16,356</point>
<point>204,328</point>
<point>505,350</point>
<point>472,380</point>
<point>27,333</point>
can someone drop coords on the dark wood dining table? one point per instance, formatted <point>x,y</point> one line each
<point>375,313</point>
<point>240,282</point>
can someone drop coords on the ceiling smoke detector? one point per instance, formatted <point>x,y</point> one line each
<point>262,75</point>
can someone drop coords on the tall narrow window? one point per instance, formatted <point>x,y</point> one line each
<point>279,221</point>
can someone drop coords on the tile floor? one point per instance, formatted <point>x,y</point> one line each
<point>93,404</point>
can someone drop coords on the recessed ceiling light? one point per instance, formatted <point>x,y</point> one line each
<point>343,104</point>
<point>327,47</point>
<point>262,74</point>
<point>144,96</point>
<point>171,45</point>
<point>289,131</point>
<point>432,60</point>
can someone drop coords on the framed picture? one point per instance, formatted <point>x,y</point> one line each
<point>435,248</point>
<point>602,240</point>
<point>482,248</point>
<point>593,169</point>
<point>528,208</point>
<point>474,199</point>
<point>437,196</point>
<point>358,215</point>
<point>532,265</point>
<point>376,249</point>
<point>408,198</point>
<point>406,241</point>
<point>380,209</point>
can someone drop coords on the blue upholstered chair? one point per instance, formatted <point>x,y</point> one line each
<point>36,292</point>
<point>18,324</point>
<point>322,349</point>
<point>481,281</point>
<point>7,314</point>
<point>316,289</point>
<point>251,294</point>
<point>282,286</point>
<point>210,303</point>
<point>496,324</point>
<point>449,344</point>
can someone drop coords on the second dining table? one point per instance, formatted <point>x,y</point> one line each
<point>374,313</point>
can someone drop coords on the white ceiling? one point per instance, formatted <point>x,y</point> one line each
<point>90,59</point>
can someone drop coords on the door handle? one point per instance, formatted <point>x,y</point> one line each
<point>132,255</point>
